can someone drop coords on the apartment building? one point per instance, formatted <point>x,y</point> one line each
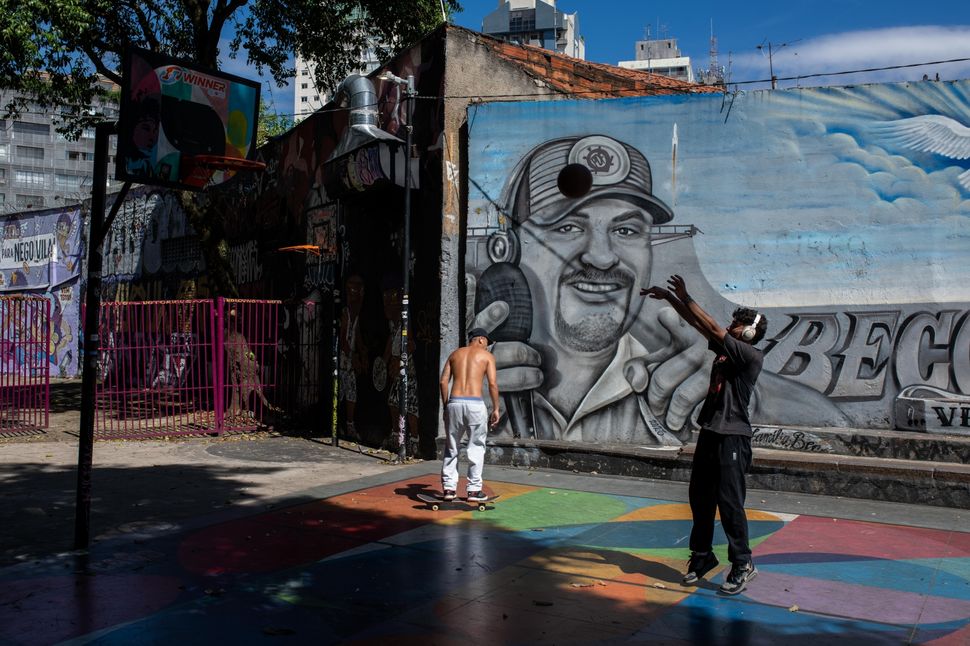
<point>537,23</point>
<point>40,168</point>
<point>307,97</point>
<point>661,56</point>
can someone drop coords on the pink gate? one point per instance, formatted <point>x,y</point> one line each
<point>185,367</point>
<point>24,364</point>
<point>248,338</point>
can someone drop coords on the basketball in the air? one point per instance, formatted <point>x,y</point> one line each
<point>574,180</point>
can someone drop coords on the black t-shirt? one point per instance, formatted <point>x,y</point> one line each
<point>733,375</point>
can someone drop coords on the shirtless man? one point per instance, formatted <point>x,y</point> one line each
<point>464,410</point>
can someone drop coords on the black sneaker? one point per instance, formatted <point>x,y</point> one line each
<point>737,579</point>
<point>699,564</point>
<point>476,496</point>
<point>449,495</point>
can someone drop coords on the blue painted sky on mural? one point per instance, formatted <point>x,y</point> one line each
<point>802,196</point>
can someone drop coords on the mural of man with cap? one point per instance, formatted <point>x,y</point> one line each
<point>583,259</point>
<point>578,356</point>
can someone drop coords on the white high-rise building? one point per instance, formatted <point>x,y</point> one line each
<point>307,98</point>
<point>40,168</point>
<point>538,23</point>
<point>661,56</point>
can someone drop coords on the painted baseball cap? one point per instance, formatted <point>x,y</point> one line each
<point>618,170</point>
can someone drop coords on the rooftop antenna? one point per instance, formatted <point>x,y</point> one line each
<point>713,49</point>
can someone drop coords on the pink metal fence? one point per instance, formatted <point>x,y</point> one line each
<point>172,367</point>
<point>248,363</point>
<point>24,364</point>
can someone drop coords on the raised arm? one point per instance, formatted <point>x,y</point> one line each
<point>687,307</point>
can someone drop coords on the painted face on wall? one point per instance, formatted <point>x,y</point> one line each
<point>355,291</point>
<point>585,270</point>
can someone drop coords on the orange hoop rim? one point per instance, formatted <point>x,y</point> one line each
<point>309,248</point>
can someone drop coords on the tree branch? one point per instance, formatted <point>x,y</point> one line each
<point>99,65</point>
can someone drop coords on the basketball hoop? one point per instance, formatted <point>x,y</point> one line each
<point>307,248</point>
<point>201,168</point>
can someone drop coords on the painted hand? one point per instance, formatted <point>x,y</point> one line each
<point>675,377</point>
<point>516,363</point>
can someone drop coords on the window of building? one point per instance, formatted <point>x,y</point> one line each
<point>4,152</point>
<point>316,97</point>
<point>24,128</point>
<point>28,201</point>
<point>304,86</point>
<point>34,153</point>
<point>3,198</point>
<point>77,155</point>
<point>304,99</point>
<point>522,20</point>
<point>87,133</point>
<point>3,175</point>
<point>67,183</point>
<point>29,178</point>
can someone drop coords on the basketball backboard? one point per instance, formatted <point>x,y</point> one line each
<point>172,112</point>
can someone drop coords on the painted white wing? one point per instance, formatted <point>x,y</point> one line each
<point>932,133</point>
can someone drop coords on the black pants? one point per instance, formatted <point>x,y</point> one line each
<point>717,483</point>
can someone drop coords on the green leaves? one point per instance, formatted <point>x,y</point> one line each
<point>52,51</point>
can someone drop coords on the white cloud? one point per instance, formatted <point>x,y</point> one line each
<point>877,48</point>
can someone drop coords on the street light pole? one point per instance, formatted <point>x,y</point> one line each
<point>402,394</point>
<point>405,295</point>
<point>771,68</point>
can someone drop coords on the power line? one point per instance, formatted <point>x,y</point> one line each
<point>691,89</point>
<point>858,71</point>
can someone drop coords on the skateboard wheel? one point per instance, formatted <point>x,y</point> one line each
<point>481,507</point>
<point>434,507</point>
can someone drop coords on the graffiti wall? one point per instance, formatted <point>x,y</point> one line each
<point>842,214</point>
<point>40,253</point>
<point>291,235</point>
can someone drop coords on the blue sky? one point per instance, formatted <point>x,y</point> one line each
<point>807,36</point>
<point>821,35</point>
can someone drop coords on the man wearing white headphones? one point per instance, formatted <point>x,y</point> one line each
<point>723,452</point>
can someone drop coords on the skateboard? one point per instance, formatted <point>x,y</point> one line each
<point>436,502</point>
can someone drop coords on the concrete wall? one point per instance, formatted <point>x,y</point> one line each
<point>472,71</point>
<point>826,209</point>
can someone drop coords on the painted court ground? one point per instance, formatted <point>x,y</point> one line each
<point>547,564</point>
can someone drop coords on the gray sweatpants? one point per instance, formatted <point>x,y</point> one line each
<point>464,414</point>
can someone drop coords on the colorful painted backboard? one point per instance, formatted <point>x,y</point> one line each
<point>173,111</point>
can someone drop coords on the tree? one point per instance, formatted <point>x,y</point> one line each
<point>271,124</point>
<point>51,51</point>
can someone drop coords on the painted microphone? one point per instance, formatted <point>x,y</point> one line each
<point>504,281</point>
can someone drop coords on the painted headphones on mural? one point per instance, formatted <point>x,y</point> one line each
<point>750,331</point>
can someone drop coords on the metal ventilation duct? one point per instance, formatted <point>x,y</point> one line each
<point>357,92</point>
